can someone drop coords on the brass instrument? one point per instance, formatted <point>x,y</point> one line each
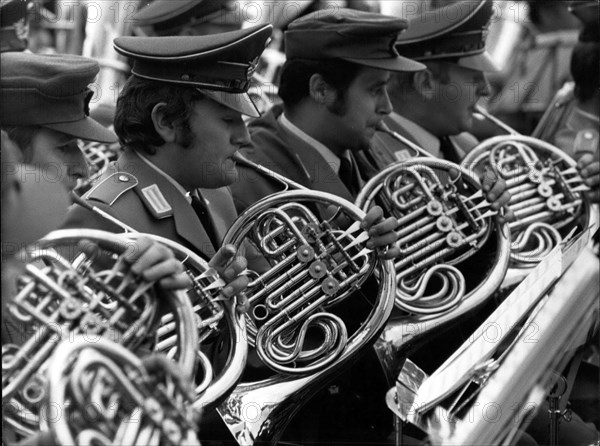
<point>212,315</point>
<point>509,363</point>
<point>102,393</point>
<point>215,318</point>
<point>94,295</point>
<point>316,258</point>
<point>443,222</point>
<point>98,156</point>
<point>287,183</point>
<point>547,192</point>
<point>383,127</point>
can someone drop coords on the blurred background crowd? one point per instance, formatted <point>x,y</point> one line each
<point>532,41</point>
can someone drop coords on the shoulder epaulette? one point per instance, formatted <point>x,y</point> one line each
<point>112,187</point>
<point>156,202</point>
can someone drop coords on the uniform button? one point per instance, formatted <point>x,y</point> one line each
<point>123,178</point>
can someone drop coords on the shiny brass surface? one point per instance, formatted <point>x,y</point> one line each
<point>77,282</point>
<point>316,261</point>
<point>107,395</point>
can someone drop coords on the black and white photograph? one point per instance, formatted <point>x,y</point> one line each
<point>300,222</point>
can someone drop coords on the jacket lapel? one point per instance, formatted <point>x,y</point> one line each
<point>187,224</point>
<point>315,168</point>
<point>222,210</point>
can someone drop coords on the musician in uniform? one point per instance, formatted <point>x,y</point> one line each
<point>434,108</point>
<point>32,206</point>
<point>333,87</point>
<point>45,108</point>
<point>179,121</point>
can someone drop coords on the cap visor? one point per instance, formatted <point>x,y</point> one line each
<point>240,102</point>
<point>85,128</point>
<point>482,62</point>
<point>399,63</point>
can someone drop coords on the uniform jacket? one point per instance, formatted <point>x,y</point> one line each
<point>386,150</point>
<point>145,200</point>
<point>326,417</point>
<point>277,149</point>
<point>570,137</point>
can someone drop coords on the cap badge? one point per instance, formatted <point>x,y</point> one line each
<point>252,67</point>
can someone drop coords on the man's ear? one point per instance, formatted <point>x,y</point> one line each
<point>423,83</point>
<point>165,129</point>
<point>320,91</point>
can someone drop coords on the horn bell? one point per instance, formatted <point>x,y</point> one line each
<point>77,282</point>
<point>302,323</point>
<point>454,251</point>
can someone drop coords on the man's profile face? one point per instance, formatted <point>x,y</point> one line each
<point>216,132</point>
<point>456,90</point>
<point>58,156</point>
<point>355,117</point>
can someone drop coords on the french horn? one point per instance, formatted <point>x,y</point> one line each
<point>98,157</point>
<point>101,393</point>
<point>454,253</point>
<point>547,192</point>
<point>215,318</point>
<point>77,282</point>
<point>302,323</point>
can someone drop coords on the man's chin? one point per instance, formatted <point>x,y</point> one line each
<point>229,177</point>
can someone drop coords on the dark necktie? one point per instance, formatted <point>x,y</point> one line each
<point>366,165</point>
<point>348,173</point>
<point>448,149</point>
<point>201,210</point>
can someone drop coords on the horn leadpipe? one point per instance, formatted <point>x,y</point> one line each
<point>382,127</point>
<point>289,184</point>
<point>81,202</point>
<point>497,122</point>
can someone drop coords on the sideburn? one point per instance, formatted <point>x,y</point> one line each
<point>339,106</point>
<point>184,135</point>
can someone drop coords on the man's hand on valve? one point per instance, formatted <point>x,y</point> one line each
<point>495,193</point>
<point>589,169</point>
<point>230,267</point>
<point>382,232</point>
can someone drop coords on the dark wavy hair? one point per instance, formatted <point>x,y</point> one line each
<point>133,120</point>
<point>296,74</point>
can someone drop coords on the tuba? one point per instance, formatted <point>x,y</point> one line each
<point>302,323</point>
<point>445,230</point>
<point>489,387</point>
<point>101,393</point>
<point>547,193</point>
<point>77,282</point>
